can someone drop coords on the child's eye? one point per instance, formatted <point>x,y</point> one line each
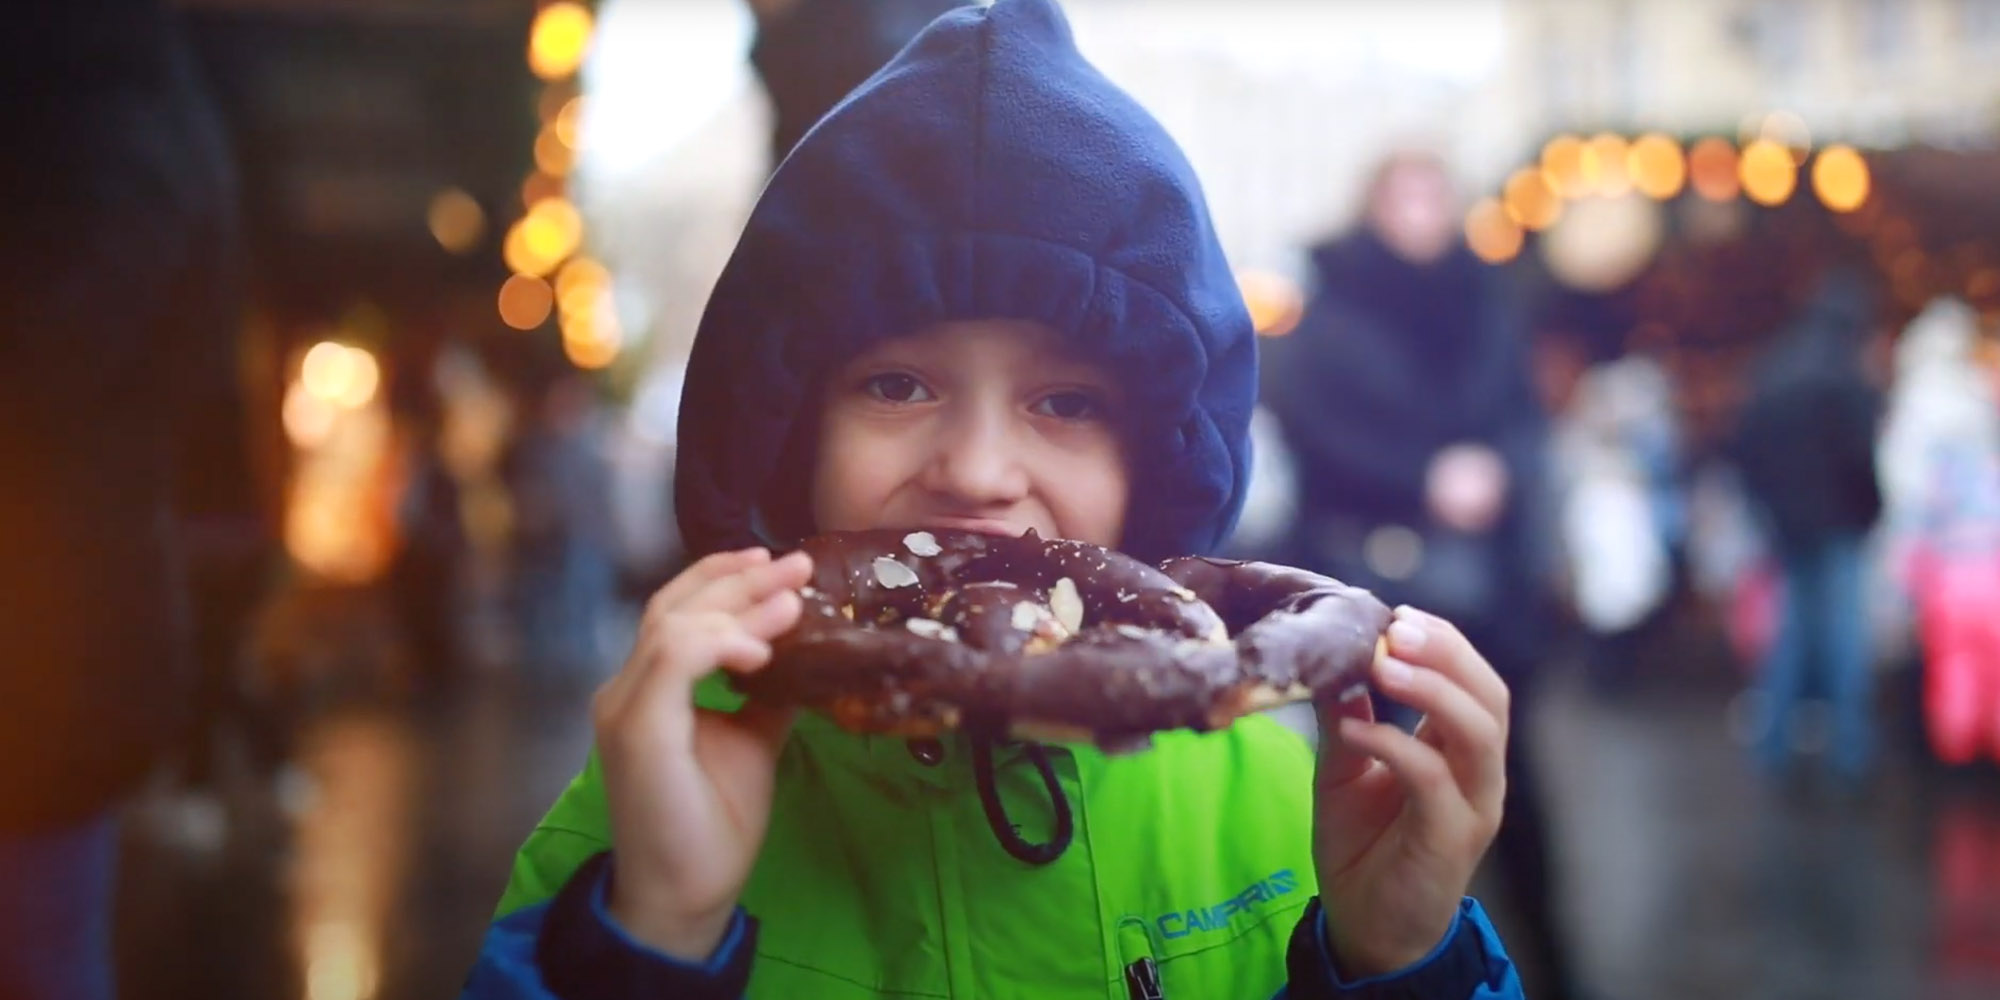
<point>896,387</point>
<point>1070,405</point>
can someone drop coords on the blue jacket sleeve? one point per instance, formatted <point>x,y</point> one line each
<point>1469,964</point>
<point>570,948</point>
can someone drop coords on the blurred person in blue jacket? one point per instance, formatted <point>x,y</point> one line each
<point>1805,444</point>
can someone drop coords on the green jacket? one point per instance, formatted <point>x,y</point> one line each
<point>881,876</point>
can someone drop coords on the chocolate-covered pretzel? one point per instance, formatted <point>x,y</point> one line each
<point>1293,627</point>
<point>916,632</point>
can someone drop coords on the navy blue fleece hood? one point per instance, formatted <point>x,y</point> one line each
<point>987,172</point>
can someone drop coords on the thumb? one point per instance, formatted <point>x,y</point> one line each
<point>1340,763</point>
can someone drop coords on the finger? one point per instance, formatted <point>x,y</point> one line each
<point>1425,640</point>
<point>1488,791</point>
<point>772,616</point>
<point>737,592</point>
<point>647,647</point>
<point>633,710</point>
<point>710,567</point>
<point>1340,763</point>
<point>1471,738</point>
<point>1426,777</point>
<point>698,645</point>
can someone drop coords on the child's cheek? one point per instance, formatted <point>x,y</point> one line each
<point>862,462</point>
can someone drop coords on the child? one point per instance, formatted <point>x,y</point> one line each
<point>1940,459</point>
<point>1952,571</point>
<point>984,293</point>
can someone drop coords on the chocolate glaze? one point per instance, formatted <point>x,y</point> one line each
<point>1292,626</point>
<point>983,614</point>
<point>1152,652</point>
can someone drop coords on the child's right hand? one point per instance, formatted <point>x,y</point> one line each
<point>689,790</point>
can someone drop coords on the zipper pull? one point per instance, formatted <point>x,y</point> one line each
<point>1143,979</point>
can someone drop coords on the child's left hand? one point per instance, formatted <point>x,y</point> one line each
<point>1401,821</point>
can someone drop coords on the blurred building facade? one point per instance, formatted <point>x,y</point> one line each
<point>1283,108</point>
<point>1871,72</point>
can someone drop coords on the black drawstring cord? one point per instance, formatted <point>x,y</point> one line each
<point>996,812</point>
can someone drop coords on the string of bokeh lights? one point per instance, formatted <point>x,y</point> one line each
<point>1764,167</point>
<point>549,274</point>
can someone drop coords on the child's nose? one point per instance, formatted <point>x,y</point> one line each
<point>977,461</point>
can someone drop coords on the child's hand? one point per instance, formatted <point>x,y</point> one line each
<point>1401,821</point>
<point>689,790</point>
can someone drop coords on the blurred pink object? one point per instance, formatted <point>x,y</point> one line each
<point>1958,614</point>
<point>1952,569</point>
<point>1753,613</point>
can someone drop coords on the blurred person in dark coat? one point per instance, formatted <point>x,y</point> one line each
<point>563,552</point>
<point>115,314</point>
<point>1408,404</point>
<point>810,53</point>
<point>1806,447</point>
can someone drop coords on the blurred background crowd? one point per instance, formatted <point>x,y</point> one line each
<point>1655,341</point>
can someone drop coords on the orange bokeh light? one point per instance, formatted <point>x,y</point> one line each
<point>1840,177</point>
<point>1712,169</point>
<point>525,302</point>
<point>559,40</point>
<point>1657,167</point>
<point>1562,161</point>
<point>1768,172</point>
<point>1491,234</point>
<point>1604,166</point>
<point>1530,200</point>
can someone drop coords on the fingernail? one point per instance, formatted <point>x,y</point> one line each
<point>1406,636</point>
<point>1394,673</point>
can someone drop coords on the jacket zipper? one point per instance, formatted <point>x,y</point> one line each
<point>1142,978</point>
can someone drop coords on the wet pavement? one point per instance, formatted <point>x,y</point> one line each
<point>369,870</point>
<point>1688,874</point>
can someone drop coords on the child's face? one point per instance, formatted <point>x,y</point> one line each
<point>982,425</point>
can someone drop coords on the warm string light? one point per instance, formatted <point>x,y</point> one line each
<point>1766,169</point>
<point>1768,173</point>
<point>333,418</point>
<point>1840,177</point>
<point>1562,164</point>
<point>336,373</point>
<point>1657,168</point>
<point>1712,169</point>
<point>1773,156</point>
<point>525,302</point>
<point>568,124</point>
<point>559,40</point>
<point>456,220</point>
<point>1275,302</point>
<point>1491,233</point>
<point>542,248</point>
<point>1530,200</point>
<point>1604,165</point>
